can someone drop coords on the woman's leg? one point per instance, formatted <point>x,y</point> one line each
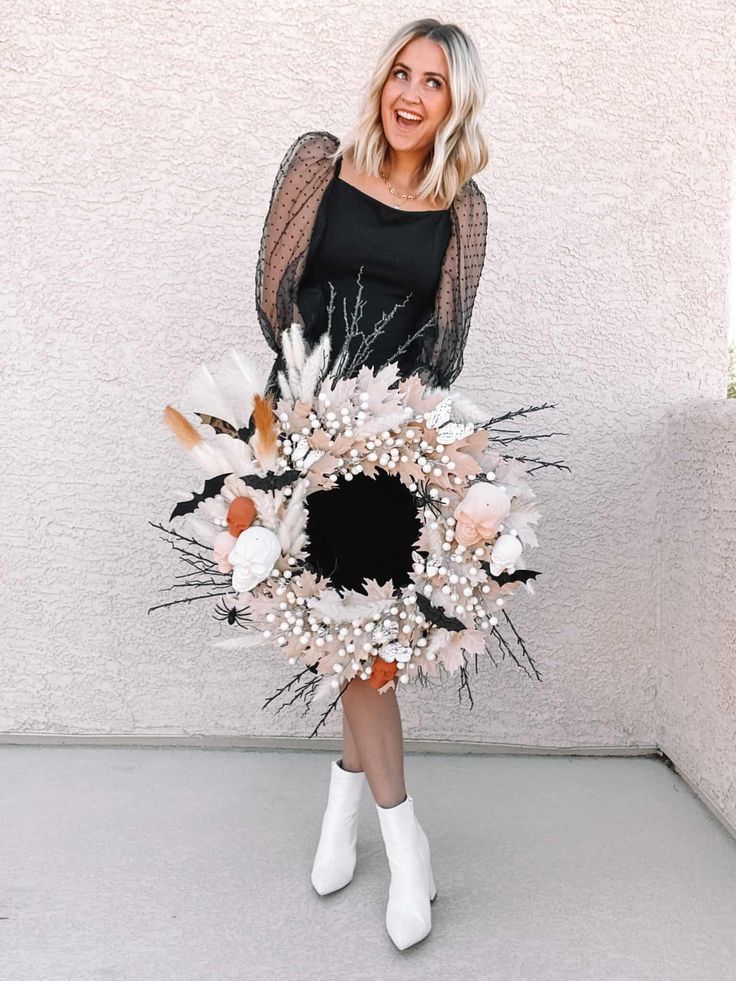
<point>350,756</point>
<point>374,722</point>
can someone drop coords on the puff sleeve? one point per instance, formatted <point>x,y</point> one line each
<point>440,360</point>
<point>295,198</point>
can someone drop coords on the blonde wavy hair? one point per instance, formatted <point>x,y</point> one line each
<point>459,149</point>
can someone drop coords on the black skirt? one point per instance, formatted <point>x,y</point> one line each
<point>363,529</point>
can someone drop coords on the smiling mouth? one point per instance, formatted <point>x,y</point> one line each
<point>404,123</point>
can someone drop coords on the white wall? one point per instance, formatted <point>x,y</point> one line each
<point>140,144</point>
<point>696,697</point>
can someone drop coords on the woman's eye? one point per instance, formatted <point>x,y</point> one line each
<point>402,71</point>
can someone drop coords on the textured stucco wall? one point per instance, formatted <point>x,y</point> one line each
<point>696,698</point>
<point>140,142</point>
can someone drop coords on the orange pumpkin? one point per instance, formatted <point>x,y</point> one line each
<point>240,515</point>
<point>382,672</point>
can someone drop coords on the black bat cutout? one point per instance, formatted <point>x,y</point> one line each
<point>222,426</point>
<point>521,575</point>
<point>212,486</point>
<point>437,616</point>
<point>246,432</point>
<point>271,481</point>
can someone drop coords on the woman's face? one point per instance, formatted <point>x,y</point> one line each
<point>417,82</point>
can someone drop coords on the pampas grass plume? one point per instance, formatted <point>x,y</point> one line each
<point>264,443</point>
<point>181,428</point>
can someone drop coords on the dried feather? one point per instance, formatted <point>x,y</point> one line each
<point>465,410</point>
<point>266,507</point>
<point>206,395</point>
<point>287,351</point>
<point>204,452</point>
<point>294,521</point>
<point>233,487</point>
<point>352,606</point>
<point>284,389</point>
<point>214,509</point>
<point>237,453</point>
<point>298,346</point>
<point>203,531</point>
<point>298,545</point>
<point>315,367</point>
<point>378,424</point>
<point>181,428</point>
<point>263,443</point>
<point>294,356</point>
<point>324,690</point>
<point>244,642</point>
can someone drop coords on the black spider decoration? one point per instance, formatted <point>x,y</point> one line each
<point>232,614</point>
<point>425,500</point>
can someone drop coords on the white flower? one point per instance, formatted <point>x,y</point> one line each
<point>395,652</point>
<point>385,631</point>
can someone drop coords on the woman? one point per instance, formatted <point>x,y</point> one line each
<point>380,240</point>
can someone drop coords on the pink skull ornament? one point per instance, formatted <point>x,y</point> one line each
<point>480,513</point>
<point>222,546</point>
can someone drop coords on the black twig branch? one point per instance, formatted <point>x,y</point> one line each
<point>465,686</point>
<point>352,355</point>
<point>505,440</point>
<point>541,463</point>
<point>300,692</point>
<point>330,708</point>
<point>284,688</point>
<point>188,599</point>
<point>520,642</point>
<point>515,412</point>
<point>506,649</point>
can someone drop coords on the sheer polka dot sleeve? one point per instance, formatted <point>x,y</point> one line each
<point>297,190</point>
<point>441,358</point>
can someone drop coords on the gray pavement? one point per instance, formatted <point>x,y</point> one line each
<point>148,864</point>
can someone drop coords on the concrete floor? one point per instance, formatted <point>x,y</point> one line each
<point>146,864</point>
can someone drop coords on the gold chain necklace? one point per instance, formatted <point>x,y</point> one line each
<point>396,194</point>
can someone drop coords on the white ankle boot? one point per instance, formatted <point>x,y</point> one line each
<point>412,889</point>
<point>334,861</point>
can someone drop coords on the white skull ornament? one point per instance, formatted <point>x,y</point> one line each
<point>253,557</point>
<point>506,550</point>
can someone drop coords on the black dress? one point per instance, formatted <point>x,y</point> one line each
<point>364,528</point>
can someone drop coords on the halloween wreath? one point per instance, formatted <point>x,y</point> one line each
<point>248,545</point>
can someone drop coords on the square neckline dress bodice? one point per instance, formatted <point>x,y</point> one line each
<point>400,253</point>
<point>365,528</point>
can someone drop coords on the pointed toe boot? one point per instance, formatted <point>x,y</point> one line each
<point>412,887</point>
<point>335,858</point>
